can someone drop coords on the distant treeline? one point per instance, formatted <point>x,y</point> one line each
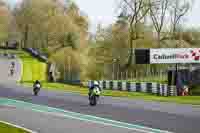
<point>10,45</point>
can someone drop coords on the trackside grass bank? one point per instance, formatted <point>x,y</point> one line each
<point>33,70</point>
<point>4,128</point>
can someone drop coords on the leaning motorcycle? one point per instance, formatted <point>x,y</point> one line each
<point>11,72</point>
<point>36,89</point>
<point>94,96</point>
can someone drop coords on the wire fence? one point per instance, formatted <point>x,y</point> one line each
<point>139,77</point>
<point>140,73</point>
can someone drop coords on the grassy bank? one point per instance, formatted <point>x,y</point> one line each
<point>33,69</point>
<point>194,100</point>
<point>4,128</point>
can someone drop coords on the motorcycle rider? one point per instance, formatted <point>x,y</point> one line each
<point>95,84</point>
<point>37,82</point>
<point>12,67</point>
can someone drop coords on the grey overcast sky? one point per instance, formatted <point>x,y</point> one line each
<point>103,11</point>
<point>98,11</point>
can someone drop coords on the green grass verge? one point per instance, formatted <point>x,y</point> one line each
<point>4,128</point>
<point>194,100</point>
<point>33,69</point>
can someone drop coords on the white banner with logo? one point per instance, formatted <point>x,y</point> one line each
<point>174,55</point>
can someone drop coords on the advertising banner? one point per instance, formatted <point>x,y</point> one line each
<point>174,55</point>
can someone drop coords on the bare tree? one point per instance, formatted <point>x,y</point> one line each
<point>179,9</point>
<point>5,19</point>
<point>158,12</point>
<point>134,11</point>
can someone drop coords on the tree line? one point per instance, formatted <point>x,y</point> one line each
<point>60,29</point>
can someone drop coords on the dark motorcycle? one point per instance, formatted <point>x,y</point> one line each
<point>36,89</point>
<point>11,72</point>
<point>94,96</point>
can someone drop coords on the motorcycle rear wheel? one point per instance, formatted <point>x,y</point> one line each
<point>93,100</point>
<point>36,91</point>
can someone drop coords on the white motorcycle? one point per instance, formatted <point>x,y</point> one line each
<point>36,89</point>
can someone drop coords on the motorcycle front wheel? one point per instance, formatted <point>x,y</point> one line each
<point>35,93</point>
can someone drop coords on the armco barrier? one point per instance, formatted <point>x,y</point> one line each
<point>153,88</point>
<point>35,53</point>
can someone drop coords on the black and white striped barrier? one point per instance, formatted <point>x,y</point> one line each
<point>153,88</point>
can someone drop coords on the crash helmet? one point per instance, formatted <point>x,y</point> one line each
<point>96,83</point>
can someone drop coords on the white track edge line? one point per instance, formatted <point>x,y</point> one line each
<point>17,126</point>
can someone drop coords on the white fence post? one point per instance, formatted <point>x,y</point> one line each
<point>154,88</point>
<point>108,85</point>
<point>144,87</point>
<point>124,86</point>
<point>115,85</point>
<point>133,87</point>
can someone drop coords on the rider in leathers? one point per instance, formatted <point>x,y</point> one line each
<point>95,84</point>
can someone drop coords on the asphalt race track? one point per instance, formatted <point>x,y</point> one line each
<point>164,116</point>
<point>45,123</point>
<point>170,117</point>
